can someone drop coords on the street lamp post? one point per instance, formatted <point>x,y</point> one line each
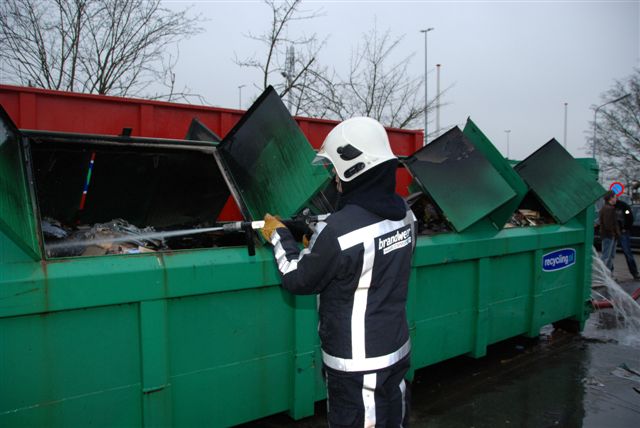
<point>426,99</point>
<point>240,96</point>
<point>437,100</point>
<point>507,131</point>
<point>565,125</point>
<point>595,127</point>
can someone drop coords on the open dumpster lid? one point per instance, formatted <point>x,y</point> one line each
<point>17,218</point>
<point>564,187</point>
<point>199,132</point>
<point>268,159</point>
<point>500,216</point>
<point>460,179</point>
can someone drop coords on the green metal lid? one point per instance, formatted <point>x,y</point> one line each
<point>17,219</point>
<point>268,159</point>
<point>459,178</point>
<point>564,187</point>
<point>500,216</point>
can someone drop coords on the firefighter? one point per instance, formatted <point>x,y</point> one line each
<point>358,260</point>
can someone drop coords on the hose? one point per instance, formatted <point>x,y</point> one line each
<point>603,304</point>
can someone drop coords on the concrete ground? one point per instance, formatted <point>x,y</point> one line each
<point>557,380</point>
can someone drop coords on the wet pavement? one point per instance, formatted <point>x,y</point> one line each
<point>559,379</point>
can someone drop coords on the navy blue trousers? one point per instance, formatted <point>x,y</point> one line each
<point>367,399</point>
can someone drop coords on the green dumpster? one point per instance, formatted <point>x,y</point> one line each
<point>200,333</point>
<point>485,282</point>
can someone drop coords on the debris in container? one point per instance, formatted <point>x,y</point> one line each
<point>94,250</point>
<point>100,250</point>
<point>526,217</point>
<point>430,219</point>
<point>53,229</point>
<point>120,237</point>
<point>121,228</point>
<point>114,237</point>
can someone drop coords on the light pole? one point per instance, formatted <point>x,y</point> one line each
<point>288,76</point>
<point>438,100</point>
<point>426,100</point>
<point>565,125</point>
<point>240,96</point>
<point>507,131</point>
<point>595,112</point>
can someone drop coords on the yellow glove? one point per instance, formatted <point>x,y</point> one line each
<point>305,241</point>
<point>271,223</point>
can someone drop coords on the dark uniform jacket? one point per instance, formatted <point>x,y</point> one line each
<point>359,264</point>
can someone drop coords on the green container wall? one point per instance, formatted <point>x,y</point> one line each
<point>207,337</point>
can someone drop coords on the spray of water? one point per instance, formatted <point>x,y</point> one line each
<point>139,237</point>
<point>624,325</point>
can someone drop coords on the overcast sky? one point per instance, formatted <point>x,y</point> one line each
<point>511,65</point>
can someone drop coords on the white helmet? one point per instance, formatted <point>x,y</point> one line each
<point>355,146</point>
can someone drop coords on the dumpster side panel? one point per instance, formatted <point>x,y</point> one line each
<point>563,292</point>
<point>223,346</point>
<point>207,338</point>
<point>11,253</point>
<point>467,292</point>
<point>230,346</point>
<point>443,311</point>
<point>97,117</point>
<point>71,368</point>
<point>510,286</point>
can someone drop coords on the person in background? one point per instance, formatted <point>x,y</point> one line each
<point>609,229</point>
<point>624,216</point>
<point>359,262</point>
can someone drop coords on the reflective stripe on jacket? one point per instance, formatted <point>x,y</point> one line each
<point>360,264</point>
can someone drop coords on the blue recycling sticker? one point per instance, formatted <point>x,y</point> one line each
<point>559,259</point>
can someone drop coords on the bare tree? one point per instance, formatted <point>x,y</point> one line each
<point>116,47</point>
<point>617,129</point>
<point>374,85</point>
<point>290,64</point>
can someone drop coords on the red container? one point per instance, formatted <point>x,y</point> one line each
<point>47,110</point>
